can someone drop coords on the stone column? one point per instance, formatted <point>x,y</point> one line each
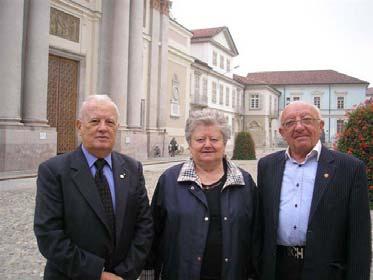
<point>153,88</point>
<point>135,64</point>
<point>164,101</point>
<point>36,64</point>
<point>119,58</point>
<point>11,37</point>
<point>105,48</point>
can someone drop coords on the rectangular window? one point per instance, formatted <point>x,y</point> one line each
<point>254,101</point>
<point>196,84</point>
<point>340,102</point>
<point>228,65</point>
<point>239,96</point>
<point>214,58</point>
<point>204,86</point>
<point>204,90</point>
<point>213,97</point>
<point>221,95</point>
<point>296,98</point>
<point>287,100</point>
<point>227,96</point>
<point>221,62</point>
<point>340,126</point>
<point>316,101</point>
<point>234,98</point>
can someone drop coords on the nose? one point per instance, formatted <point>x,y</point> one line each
<point>102,125</point>
<point>207,142</point>
<point>299,125</point>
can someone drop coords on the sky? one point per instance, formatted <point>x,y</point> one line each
<point>282,35</point>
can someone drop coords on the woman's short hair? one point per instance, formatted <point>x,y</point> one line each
<point>207,117</point>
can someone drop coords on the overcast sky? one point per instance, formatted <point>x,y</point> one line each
<point>275,35</point>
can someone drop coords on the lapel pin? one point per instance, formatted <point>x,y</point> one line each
<point>326,175</point>
<point>122,175</point>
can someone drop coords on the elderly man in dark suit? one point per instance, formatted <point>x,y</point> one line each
<point>315,206</point>
<point>92,216</point>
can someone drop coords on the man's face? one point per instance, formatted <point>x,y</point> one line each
<point>98,128</point>
<point>301,128</point>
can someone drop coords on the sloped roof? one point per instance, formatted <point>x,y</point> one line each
<point>206,32</point>
<point>308,77</point>
<point>207,35</point>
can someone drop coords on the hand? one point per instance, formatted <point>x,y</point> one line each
<point>110,276</point>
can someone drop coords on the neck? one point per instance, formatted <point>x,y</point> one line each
<point>298,156</point>
<point>210,172</point>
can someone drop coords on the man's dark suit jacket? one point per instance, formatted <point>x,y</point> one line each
<point>70,225</point>
<point>338,242</point>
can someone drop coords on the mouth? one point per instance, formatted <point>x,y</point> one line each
<point>301,137</point>
<point>102,137</point>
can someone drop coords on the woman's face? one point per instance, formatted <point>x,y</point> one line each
<point>207,144</point>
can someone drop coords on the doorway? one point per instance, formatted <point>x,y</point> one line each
<point>62,100</point>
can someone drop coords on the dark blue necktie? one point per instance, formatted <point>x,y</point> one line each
<point>105,194</point>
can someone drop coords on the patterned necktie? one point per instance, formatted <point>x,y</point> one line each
<point>104,191</point>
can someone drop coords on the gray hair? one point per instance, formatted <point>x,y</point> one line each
<point>99,98</point>
<point>207,117</point>
<point>317,110</point>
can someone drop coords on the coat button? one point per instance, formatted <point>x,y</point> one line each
<point>206,219</point>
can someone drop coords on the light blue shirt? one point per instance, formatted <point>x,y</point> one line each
<point>296,197</point>
<point>108,170</point>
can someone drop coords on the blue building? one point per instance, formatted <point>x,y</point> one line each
<point>332,92</point>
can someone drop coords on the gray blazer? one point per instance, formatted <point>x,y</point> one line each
<point>70,225</point>
<point>338,242</point>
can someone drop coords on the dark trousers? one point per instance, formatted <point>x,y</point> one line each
<point>288,267</point>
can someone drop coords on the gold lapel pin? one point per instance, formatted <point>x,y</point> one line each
<point>326,175</point>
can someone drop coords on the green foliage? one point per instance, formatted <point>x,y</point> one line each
<point>357,137</point>
<point>244,147</point>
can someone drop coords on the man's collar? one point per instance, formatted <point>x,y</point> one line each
<point>91,158</point>
<point>316,150</point>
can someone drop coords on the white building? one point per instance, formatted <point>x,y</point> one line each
<point>212,83</point>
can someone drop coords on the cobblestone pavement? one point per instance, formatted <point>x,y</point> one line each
<point>19,256</point>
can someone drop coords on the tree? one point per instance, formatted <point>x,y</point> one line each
<point>244,147</point>
<point>357,137</point>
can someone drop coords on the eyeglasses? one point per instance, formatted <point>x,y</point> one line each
<point>304,121</point>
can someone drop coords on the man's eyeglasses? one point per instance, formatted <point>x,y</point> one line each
<point>304,121</point>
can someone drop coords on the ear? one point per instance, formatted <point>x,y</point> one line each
<point>281,131</point>
<point>78,125</point>
<point>322,124</point>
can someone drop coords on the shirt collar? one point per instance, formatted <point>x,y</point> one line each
<point>91,158</point>
<point>316,150</point>
<point>188,173</point>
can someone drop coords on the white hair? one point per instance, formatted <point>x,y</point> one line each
<point>99,98</point>
<point>207,117</point>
